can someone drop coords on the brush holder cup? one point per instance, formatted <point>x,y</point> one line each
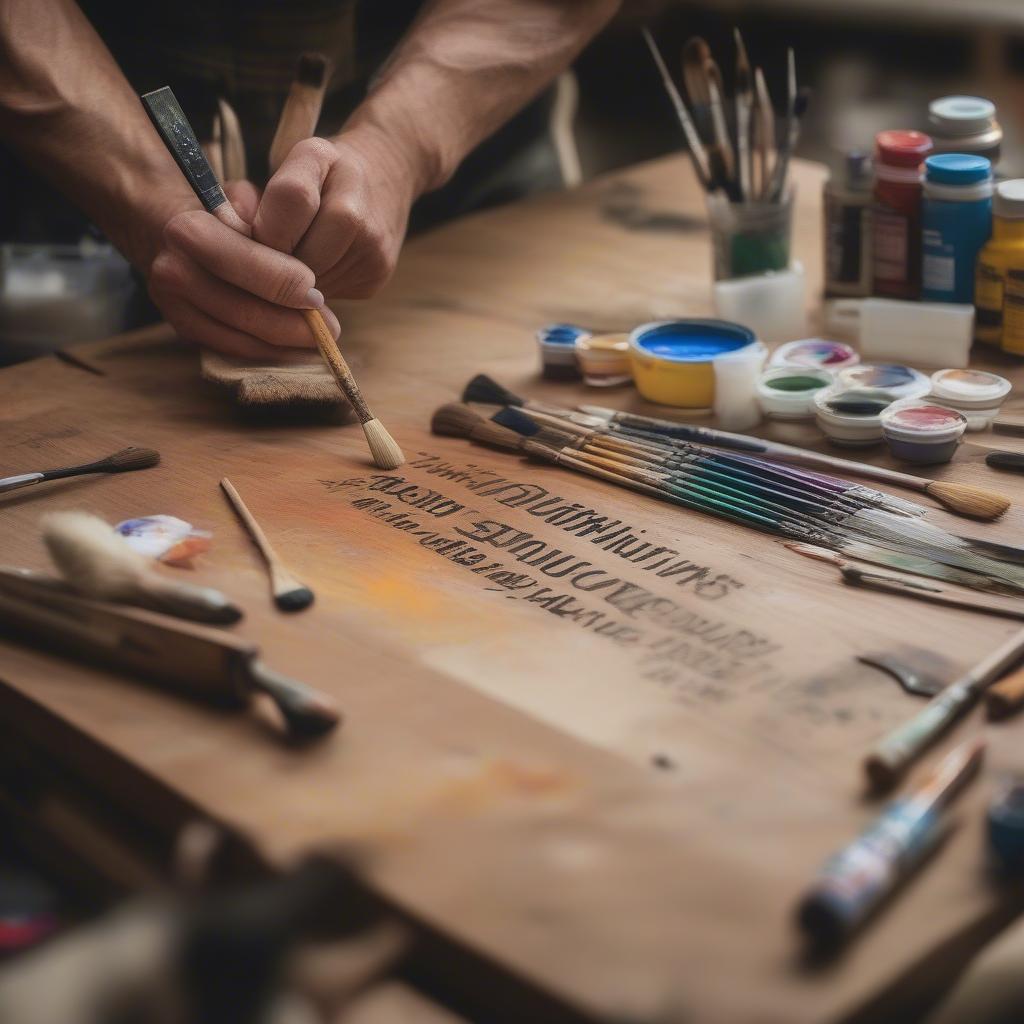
<point>751,237</point>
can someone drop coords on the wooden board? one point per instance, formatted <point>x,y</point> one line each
<point>617,785</point>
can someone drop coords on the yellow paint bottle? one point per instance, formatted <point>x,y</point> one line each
<point>1002,253</point>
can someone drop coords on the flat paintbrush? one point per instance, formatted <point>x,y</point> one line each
<point>302,106</point>
<point>173,127</point>
<point>744,100</point>
<point>792,132</point>
<point>124,461</point>
<point>764,125</point>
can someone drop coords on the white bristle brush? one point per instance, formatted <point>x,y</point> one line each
<point>101,564</point>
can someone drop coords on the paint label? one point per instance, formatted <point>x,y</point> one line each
<point>891,245</point>
<point>1013,313</point>
<point>988,300</point>
<point>939,264</point>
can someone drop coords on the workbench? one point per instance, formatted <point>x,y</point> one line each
<point>598,809</point>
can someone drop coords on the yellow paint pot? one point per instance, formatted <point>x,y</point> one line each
<point>674,360</point>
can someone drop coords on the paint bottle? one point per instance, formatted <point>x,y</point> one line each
<point>956,221</point>
<point>965,124</point>
<point>1003,252</point>
<point>896,212</point>
<point>848,228</point>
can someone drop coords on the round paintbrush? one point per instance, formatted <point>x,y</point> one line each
<point>100,563</point>
<point>176,133</point>
<point>124,461</point>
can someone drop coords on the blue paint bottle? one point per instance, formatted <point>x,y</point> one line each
<point>956,222</point>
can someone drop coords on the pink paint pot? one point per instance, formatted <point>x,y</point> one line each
<point>922,433</point>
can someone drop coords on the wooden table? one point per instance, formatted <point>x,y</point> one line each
<point>605,800</point>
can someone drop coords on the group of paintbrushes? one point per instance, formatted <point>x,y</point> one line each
<point>748,159</point>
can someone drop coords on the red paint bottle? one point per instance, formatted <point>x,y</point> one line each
<point>896,213</point>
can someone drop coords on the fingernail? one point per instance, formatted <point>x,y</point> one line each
<point>315,298</point>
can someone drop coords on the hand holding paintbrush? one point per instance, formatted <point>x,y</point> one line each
<point>177,134</point>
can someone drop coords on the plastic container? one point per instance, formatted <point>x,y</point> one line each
<point>557,343</point>
<point>900,381</point>
<point>965,124</point>
<point>604,359</point>
<point>818,353</point>
<point>918,432</point>
<point>975,393</point>
<point>787,392</point>
<point>1002,253</point>
<point>673,360</point>
<point>848,228</point>
<point>772,305</point>
<point>896,213</point>
<point>852,417</point>
<point>751,237</point>
<point>956,221</point>
<point>926,333</point>
<point>736,373</point>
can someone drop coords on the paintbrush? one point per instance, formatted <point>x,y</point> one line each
<point>206,663</point>
<point>177,134</point>
<point>791,136</point>
<point>301,107</point>
<point>695,52</point>
<point>764,134</point>
<point>101,564</point>
<point>693,143</point>
<point>744,101</point>
<point>855,576</point>
<point>704,89</point>
<point>289,594</point>
<point>900,748</point>
<point>124,461</point>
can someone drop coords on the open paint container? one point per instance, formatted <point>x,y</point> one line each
<point>674,360</point>
<point>852,417</point>
<point>787,392</point>
<point>557,343</point>
<point>817,353</point>
<point>604,359</point>
<point>976,394</point>
<point>901,381</point>
<point>922,433</point>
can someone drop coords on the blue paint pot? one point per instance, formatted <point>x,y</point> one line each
<point>557,343</point>
<point>674,360</point>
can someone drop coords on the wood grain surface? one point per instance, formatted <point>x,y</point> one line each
<point>612,770</point>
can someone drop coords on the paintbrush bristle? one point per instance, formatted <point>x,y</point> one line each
<point>455,420</point>
<point>383,447</point>
<point>517,420</point>
<point>487,391</point>
<point>294,600</point>
<point>696,53</point>
<point>555,438</point>
<point>968,501</point>
<point>128,459</point>
<point>312,70</point>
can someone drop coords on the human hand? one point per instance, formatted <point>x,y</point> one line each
<point>227,292</point>
<point>341,207</point>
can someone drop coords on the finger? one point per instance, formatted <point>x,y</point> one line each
<point>332,233</point>
<point>174,275</point>
<point>247,264</point>
<point>244,196</point>
<point>291,199</point>
<point>194,325</point>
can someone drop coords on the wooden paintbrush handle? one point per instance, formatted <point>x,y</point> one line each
<point>336,361</point>
<point>1006,696</point>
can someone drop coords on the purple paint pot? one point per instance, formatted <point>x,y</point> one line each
<point>921,433</point>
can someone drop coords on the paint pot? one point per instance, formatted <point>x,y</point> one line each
<point>900,381</point>
<point>674,360</point>
<point>975,393</point>
<point>922,433</point>
<point>604,359</point>
<point>736,373</point>
<point>818,353</point>
<point>852,417</point>
<point>787,392</point>
<point>1005,826</point>
<point>557,344</point>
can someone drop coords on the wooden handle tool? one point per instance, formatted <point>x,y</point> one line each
<point>302,106</point>
<point>1006,696</point>
<point>213,666</point>
<point>173,127</point>
<point>289,594</point>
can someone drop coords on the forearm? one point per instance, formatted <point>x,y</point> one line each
<point>464,68</point>
<point>70,112</point>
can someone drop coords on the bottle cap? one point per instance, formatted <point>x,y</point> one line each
<point>1009,199</point>
<point>957,169</point>
<point>961,115</point>
<point>902,148</point>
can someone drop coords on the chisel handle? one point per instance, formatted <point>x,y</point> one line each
<point>1006,696</point>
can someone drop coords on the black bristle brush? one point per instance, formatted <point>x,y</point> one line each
<point>124,461</point>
